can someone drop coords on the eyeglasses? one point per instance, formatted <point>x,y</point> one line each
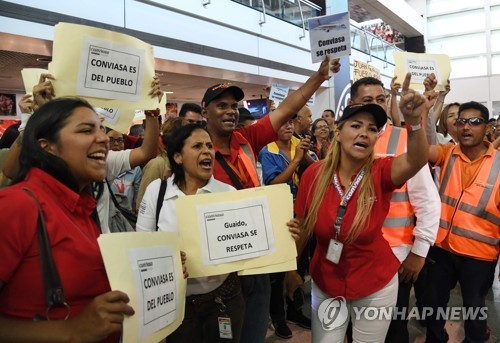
<point>116,140</point>
<point>322,127</point>
<point>471,121</point>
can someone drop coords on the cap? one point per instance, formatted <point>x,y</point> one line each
<point>375,110</point>
<point>245,114</point>
<point>216,90</point>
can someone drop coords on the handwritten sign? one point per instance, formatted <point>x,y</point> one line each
<point>362,69</point>
<point>329,35</point>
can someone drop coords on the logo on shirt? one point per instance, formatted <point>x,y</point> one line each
<point>333,313</point>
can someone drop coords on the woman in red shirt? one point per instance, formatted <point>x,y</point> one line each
<point>344,200</point>
<point>64,150</point>
<point>320,142</point>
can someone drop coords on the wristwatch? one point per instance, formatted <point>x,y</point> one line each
<point>411,128</point>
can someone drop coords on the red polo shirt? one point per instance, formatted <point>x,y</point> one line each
<point>257,135</point>
<point>368,264</point>
<point>73,237</point>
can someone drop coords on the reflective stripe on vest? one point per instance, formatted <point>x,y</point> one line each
<point>400,221</point>
<point>471,221</point>
<point>248,159</point>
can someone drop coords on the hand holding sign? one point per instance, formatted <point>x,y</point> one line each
<point>44,90</point>
<point>329,67</point>
<point>101,317</point>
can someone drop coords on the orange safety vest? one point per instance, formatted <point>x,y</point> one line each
<point>248,158</point>
<point>470,218</point>
<point>400,221</point>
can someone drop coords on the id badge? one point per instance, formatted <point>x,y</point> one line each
<point>225,328</point>
<point>334,251</point>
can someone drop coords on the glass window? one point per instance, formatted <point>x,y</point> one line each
<point>443,6</point>
<point>495,16</point>
<point>495,41</point>
<point>466,67</point>
<point>456,23</point>
<point>454,46</point>
<point>495,64</point>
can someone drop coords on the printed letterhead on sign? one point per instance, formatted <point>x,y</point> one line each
<point>110,70</point>
<point>420,66</point>
<point>107,68</point>
<point>278,92</point>
<point>238,230</point>
<point>147,267</point>
<point>330,34</point>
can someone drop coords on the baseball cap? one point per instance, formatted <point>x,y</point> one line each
<point>245,114</point>
<point>375,110</point>
<point>216,90</point>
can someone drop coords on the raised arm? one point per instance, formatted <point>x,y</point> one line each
<point>149,148</point>
<point>412,105</point>
<point>42,92</point>
<point>394,109</point>
<point>438,107</point>
<point>295,101</point>
<point>287,174</point>
<point>11,162</point>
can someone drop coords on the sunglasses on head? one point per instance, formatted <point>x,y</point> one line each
<point>470,121</point>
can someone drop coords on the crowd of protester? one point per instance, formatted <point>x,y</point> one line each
<point>379,207</point>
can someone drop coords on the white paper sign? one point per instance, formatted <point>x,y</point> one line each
<point>110,70</point>
<point>235,231</point>
<point>330,34</point>
<point>155,275</point>
<point>420,68</point>
<point>111,115</point>
<point>278,92</point>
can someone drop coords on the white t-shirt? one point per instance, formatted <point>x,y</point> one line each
<point>167,222</point>
<point>117,163</point>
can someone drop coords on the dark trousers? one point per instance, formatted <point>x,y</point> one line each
<point>257,294</point>
<point>475,278</point>
<point>201,324</point>
<point>398,330</point>
<point>277,302</point>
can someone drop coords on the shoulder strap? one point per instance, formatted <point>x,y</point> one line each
<point>159,202</point>
<point>232,175</point>
<point>54,294</point>
<point>129,215</point>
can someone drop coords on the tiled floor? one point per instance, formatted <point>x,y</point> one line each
<point>417,332</point>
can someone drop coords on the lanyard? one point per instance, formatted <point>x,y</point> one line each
<point>344,198</point>
<point>120,186</point>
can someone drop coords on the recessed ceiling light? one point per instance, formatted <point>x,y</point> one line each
<point>44,59</point>
<point>169,92</point>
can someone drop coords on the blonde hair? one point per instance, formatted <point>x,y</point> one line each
<point>323,179</point>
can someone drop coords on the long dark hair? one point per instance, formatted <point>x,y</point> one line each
<point>46,123</point>
<point>175,145</point>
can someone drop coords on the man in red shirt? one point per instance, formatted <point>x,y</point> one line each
<point>236,156</point>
